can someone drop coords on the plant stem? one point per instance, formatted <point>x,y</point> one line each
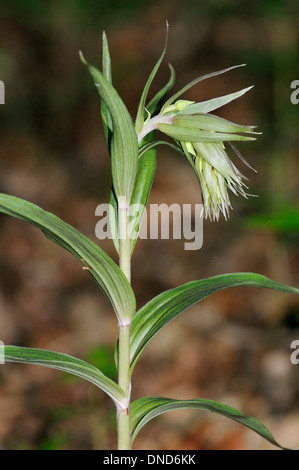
<point>124,380</point>
<point>123,418</point>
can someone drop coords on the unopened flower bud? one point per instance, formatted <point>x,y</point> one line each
<point>179,105</point>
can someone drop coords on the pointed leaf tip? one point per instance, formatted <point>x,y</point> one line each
<point>82,58</point>
<point>196,81</point>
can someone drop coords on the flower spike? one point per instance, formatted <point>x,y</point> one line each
<point>201,136</point>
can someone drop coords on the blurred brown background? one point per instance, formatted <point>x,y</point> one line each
<point>233,347</point>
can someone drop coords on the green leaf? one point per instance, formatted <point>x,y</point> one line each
<point>108,130</point>
<point>65,363</point>
<point>197,80</point>
<point>124,144</point>
<point>106,273</point>
<point>191,134</point>
<point>215,103</point>
<point>145,175</point>
<point>147,408</point>
<point>113,219</point>
<point>140,113</point>
<point>168,305</point>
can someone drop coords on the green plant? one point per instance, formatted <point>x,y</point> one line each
<point>200,137</point>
